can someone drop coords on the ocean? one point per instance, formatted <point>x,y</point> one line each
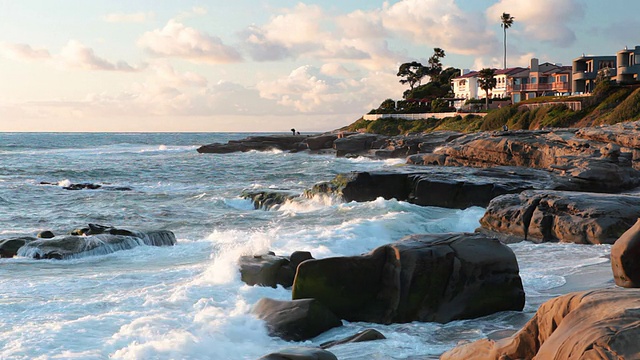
<point>187,301</point>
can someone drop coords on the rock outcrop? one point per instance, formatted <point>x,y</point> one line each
<point>296,320</point>
<point>271,270</point>
<point>448,187</point>
<point>300,353</point>
<point>93,240</point>
<point>578,217</point>
<point>362,336</point>
<point>269,199</point>
<point>9,247</point>
<point>260,143</point>
<point>625,258</point>
<point>597,324</point>
<point>434,277</point>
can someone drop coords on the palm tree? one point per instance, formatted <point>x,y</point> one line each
<point>486,82</point>
<point>507,21</point>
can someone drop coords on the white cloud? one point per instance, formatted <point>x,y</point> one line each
<point>440,23</point>
<point>548,21</point>
<point>177,40</point>
<point>76,55</point>
<point>138,17</point>
<point>23,52</point>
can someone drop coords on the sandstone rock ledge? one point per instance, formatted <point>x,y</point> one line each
<point>597,324</point>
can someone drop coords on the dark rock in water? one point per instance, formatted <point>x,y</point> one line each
<point>259,143</point>
<point>84,186</point>
<point>625,258</point>
<point>448,187</point>
<point>88,186</point>
<point>271,270</point>
<point>566,216</point>
<point>96,239</point>
<point>433,277</point>
<point>594,324</point>
<point>45,234</point>
<point>358,143</point>
<point>296,320</point>
<point>300,353</point>
<point>364,335</point>
<point>9,247</point>
<point>268,199</point>
<point>320,142</point>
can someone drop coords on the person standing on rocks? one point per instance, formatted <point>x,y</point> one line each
<point>293,131</point>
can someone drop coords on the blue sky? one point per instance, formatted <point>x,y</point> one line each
<point>264,65</point>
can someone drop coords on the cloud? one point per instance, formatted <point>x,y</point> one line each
<point>308,89</point>
<point>177,40</point>
<point>23,52</point>
<point>76,55</point>
<point>138,17</point>
<point>547,21</point>
<point>440,23</point>
<point>193,12</point>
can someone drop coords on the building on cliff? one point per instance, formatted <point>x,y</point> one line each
<point>624,67</point>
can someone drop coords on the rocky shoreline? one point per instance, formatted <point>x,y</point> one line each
<point>559,185</point>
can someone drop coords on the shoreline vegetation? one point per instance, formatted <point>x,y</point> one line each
<point>556,175</point>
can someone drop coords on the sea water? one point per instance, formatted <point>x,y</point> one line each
<point>187,301</point>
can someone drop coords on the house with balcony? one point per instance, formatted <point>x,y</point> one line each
<point>628,65</point>
<point>585,71</point>
<point>539,80</point>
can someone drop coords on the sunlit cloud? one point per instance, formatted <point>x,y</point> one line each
<point>179,41</point>
<point>23,52</point>
<point>76,55</point>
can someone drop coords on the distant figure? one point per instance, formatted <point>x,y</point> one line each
<point>505,127</point>
<point>297,132</point>
<point>293,131</point>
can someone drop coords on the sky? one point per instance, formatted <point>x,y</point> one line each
<point>264,65</point>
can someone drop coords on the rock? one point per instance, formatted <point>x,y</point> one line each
<point>578,217</point>
<point>449,187</point>
<point>320,142</point>
<point>46,234</point>
<point>269,199</point>
<point>83,186</point>
<point>590,165</point>
<point>625,258</point>
<point>358,143</point>
<point>271,270</point>
<point>296,320</point>
<point>364,335</point>
<point>432,277</point>
<point>259,143</point>
<point>107,240</point>
<point>96,229</point>
<point>300,353</point>
<point>9,247</point>
<point>595,324</point>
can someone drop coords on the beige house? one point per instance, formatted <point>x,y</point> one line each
<point>624,67</point>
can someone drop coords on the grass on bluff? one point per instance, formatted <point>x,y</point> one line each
<point>608,105</point>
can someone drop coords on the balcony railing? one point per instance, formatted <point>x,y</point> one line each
<point>557,86</point>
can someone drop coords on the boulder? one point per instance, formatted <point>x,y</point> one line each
<point>362,336</point>
<point>271,270</point>
<point>104,242</point>
<point>9,247</point>
<point>296,320</point>
<point>431,277</point>
<point>625,258</point>
<point>300,353</point>
<point>358,143</point>
<point>595,324</point>
<point>320,142</point>
<point>46,234</point>
<point>578,217</point>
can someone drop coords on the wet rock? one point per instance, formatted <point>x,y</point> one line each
<point>358,143</point>
<point>625,258</point>
<point>97,240</point>
<point>259,143</point>
<point>320,142</point>
<point>595,324</point>
<point>578,217</point>
<point>364,335</point>
<point>9,247</point>
<point>300,353</point>
<point>46,234</point>
<point>271,270</point>
<point>434,277</point>
<point>269,199</point>
<point>296,320</point>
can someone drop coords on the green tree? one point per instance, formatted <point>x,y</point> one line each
<point>412,73</point>
<point>507,21</point>
<point>487,82</point>
<point>388,105</point>
<point>435,65</point>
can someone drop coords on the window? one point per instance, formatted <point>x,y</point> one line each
<point>563,78</point>
<point>534,80</point>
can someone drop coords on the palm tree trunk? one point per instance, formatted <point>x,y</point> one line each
<point>486,98</point>
<point>505,47</point>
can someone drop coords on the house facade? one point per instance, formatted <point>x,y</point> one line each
<point>540,80</point>
<point>624,67</point>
